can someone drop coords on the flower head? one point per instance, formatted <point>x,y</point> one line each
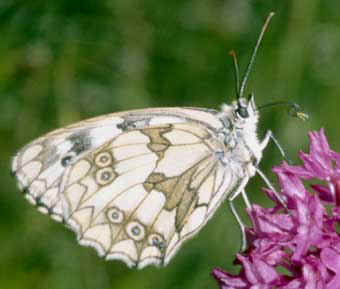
<point>303,240</point>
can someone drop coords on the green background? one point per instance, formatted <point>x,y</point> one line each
<point>64,61</point>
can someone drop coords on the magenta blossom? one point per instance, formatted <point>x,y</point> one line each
<point>302,242</point>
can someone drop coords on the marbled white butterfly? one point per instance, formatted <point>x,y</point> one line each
<point>135,185</point>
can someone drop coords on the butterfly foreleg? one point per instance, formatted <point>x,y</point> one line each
<point>270,136</point>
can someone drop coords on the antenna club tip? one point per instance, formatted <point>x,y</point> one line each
<point>271,14</point>
<point>297,112</point>
<point>302,116</point>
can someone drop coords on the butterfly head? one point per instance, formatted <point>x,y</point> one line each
<point>244,110</point>
<point>242,113</point>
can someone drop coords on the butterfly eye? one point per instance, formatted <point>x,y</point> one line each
<point>135,231</point>
<point>242,111</point>
<point>115,215</point>
<point>105,176</point>
<point>103,159</point>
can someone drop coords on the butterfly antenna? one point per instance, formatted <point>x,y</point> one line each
<point>294,109</point>
<point>253,56</point>
<point>236,73</point>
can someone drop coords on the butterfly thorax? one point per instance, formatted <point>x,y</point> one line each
<point>239,134</point>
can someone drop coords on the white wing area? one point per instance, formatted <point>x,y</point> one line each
<point>132,185</point>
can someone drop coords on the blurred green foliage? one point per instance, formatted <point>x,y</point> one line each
<point>63,61</point>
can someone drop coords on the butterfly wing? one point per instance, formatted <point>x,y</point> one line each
<point>40,165</point>
<point>135,193</point>
<point>140,195</point>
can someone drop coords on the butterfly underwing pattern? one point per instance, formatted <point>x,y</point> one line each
<point>135,185</point>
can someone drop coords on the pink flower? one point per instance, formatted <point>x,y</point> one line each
<point>303,240</point>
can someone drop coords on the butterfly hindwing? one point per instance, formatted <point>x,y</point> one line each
<point>141,194</point>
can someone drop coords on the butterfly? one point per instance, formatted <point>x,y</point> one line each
<point>135,185</point>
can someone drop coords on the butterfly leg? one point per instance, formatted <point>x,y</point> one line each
<point>241,225</point>
<point>231,198</point>
<point>271,187</point>
<point>269,136</point>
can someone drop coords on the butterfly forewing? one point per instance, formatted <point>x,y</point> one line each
<point>40,165</point>
<point>132,185</point>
